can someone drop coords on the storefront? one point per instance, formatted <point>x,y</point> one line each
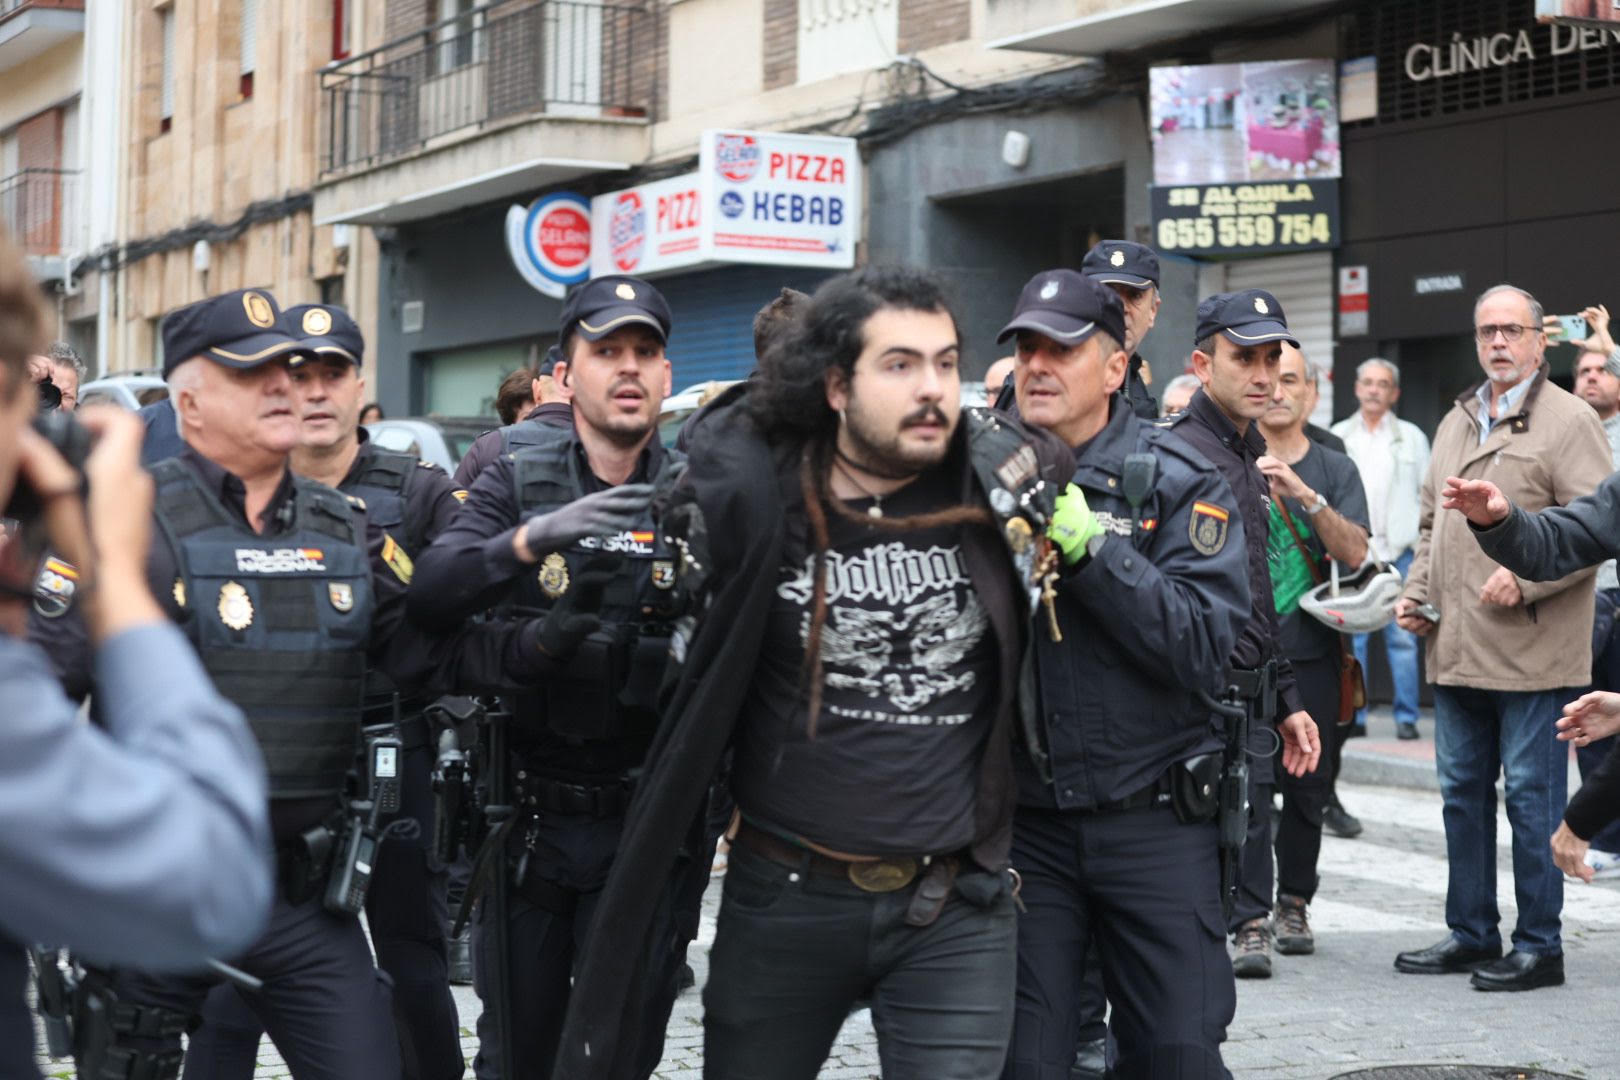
<point>1491,158</point>
<point>461,307</point>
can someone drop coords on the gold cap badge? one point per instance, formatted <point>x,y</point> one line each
<point>259,311</point>
<point>1118,258</point>
<point>1260,305</point>
<point>317,322</point>
<point>625,292</point>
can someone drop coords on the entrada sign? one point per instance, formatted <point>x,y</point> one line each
<point>1425,61</point>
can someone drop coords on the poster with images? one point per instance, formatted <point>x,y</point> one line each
<point>1593,11</point>
<point>1245,123</point>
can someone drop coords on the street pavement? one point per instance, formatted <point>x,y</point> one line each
<point>1344,1008</point>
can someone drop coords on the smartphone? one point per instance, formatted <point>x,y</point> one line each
<point>1427,611</point>
<point>1574,327</point>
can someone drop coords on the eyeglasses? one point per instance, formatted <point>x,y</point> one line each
<point>1510,331</point>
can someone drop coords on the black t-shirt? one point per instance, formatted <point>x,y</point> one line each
<point>908,660</point>
<point>1333,475</point>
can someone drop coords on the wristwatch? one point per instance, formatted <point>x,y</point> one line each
<point>1318,506</point>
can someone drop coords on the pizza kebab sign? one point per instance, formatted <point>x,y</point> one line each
<point>757,197</point>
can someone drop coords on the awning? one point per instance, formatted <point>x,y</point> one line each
<point>1144,24</point>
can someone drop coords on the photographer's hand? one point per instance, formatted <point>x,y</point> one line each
<point>120,510</point>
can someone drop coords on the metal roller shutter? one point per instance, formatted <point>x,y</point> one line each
<point>1303,284</point>
<point>713,310</point>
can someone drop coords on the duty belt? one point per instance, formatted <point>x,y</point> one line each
<point>577,800</point>
<point>1153,794</point>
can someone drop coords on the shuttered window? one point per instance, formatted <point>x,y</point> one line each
<point>1303,285</point>
<point>250,36</point>
<point>166,79</point>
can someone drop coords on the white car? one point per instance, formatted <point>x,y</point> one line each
<point>124,388</point>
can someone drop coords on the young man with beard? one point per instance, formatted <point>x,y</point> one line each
<point>1237,355</point>
<point>1148,617</point>
<point>861,556</point>
<point>1318,513</point>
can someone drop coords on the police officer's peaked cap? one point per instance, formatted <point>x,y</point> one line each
<point>239,329</point>
<point>1121,262</point>
<point>1067,307</point>
<point>1251,317</point>
<point>548,364</point>
<point>605,304</point>
<point>325,330</point>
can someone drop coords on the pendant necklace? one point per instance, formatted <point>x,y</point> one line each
<point>876,509</point>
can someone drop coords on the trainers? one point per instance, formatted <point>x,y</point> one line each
<point>1604,864</point>
<point>1341,822</point>
<point>1405,729</point>
<point>1293,930</point>
<point>1251,957</point>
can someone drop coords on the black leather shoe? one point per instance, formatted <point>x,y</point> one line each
<point>1340,822</point>
<point>1448,957</point>
<point>1091,1063</point>
<point>1520,971</point>
<point>461,958</point>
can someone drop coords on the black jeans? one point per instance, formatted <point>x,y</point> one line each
<point>793,951</point>
<point>1140,890</point>
<point>1305,798</point>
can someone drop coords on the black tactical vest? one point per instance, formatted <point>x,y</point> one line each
<point>380,482</point>
<point>609,688</point>
<point>280,622</point>
<point>515,437</point>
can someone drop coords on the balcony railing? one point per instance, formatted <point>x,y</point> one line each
<point>36,208</point>
<point>575,58</point>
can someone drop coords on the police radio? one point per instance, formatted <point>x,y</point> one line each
<point>353,860</point>
<point>382,772</point>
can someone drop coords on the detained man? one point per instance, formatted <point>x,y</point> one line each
<point>862,557</point>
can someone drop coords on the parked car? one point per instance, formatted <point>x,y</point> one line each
<point>124,388</point>
<point>443,440</point>
<point>679,406</point>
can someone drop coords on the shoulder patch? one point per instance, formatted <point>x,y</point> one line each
<point>55,587</point>
<point>460,494</point>
<point>1208,527</point>
<point>399,562</point>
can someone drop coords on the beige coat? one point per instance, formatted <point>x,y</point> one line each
<point>1552,451</point>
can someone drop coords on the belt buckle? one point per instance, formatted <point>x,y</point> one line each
<point>883,875</point>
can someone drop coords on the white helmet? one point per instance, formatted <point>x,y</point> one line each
<point>1359,604</point>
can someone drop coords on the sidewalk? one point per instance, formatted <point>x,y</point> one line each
<point>1380,758</point>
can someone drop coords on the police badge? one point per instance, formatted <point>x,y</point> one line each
<point>342,596</point>
<point>663,574</point>
<point>553,575</point>
<point>1207,529</point>
<point>235,606</point>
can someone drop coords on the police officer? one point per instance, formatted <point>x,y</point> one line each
<point>564,527</point>
<point>1132,271</point>
<point>288,596</point>
<point>1237,357</point>
<point>1148,609</point>
<point>406,908</point>
<point>550,409</point>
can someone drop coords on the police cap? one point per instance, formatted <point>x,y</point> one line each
<point>237,329</point>
<point>605,304</point>
<point>1067,307</point>
<point>325,330</point>
<point>1121,262</point>
<point>1250,317</point>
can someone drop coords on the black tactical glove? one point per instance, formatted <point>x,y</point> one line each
<point>573,618</point>
<point>601,513</point>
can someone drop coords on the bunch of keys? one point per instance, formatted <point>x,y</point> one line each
<point>1046,572</point>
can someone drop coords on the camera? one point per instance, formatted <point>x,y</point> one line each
<point>71,439</point>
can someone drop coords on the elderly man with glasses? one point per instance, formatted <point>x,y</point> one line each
<point>1504,653</point>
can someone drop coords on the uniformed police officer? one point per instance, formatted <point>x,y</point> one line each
<point>288,596</point>
<point>1237,357</point>
<point>564,527</point>
<point>1119,848</point>
<point>550,409</point>
<point>1132,271</point>
<point>406,909</point>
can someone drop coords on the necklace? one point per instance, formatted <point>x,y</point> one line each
<point>876,509</point>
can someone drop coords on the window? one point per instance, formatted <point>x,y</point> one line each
<point>331,290</point>
<point>250,44</point>
<point>340,28</point>
<point>166,79</point>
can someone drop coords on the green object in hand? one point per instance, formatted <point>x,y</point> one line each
<point>1073,524</point>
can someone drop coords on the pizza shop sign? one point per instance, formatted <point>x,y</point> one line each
<point>1430,60</point>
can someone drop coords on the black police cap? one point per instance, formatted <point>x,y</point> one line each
<point>1121,262</point>
<point>238,329</point>
<point>1067,307</point>
<point>605,304</point>
<point>326,331</point>
<point>548,364</point>
<point>1250,317</point>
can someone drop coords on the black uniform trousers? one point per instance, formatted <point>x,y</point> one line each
<point>16,1020</point>
<point>324,1002</point>
<point>406,912</point>
<point>1298,839</point>
<point>1144,889</point>
<point>546,930</point>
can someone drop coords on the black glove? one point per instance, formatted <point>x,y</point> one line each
<point>573,618</point>
<point>601,513</point>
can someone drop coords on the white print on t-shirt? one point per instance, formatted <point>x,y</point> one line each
<point>900,621</point>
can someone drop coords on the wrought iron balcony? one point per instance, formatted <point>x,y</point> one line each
<point>502,60</point>
<point>38,207</point>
